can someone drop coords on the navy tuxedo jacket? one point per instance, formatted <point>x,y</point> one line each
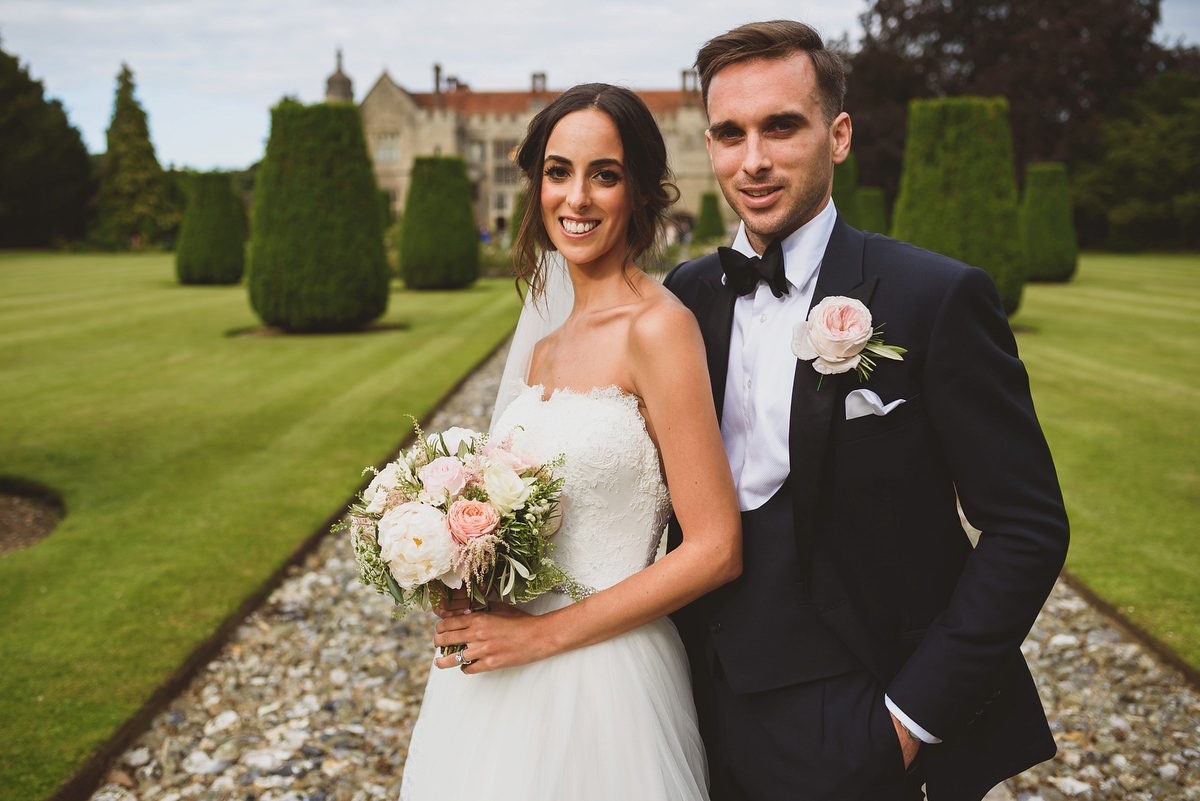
<point>892,573</point>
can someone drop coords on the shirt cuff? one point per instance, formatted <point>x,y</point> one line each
<point>908,723</point>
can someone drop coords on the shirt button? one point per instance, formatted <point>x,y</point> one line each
<point>749,382</point>
<point>762,318</point>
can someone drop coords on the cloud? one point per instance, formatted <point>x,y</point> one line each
<point>208,71</point>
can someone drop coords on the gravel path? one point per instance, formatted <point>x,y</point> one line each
<point>314,697</point>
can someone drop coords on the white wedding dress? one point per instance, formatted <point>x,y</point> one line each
<point>611,722</point>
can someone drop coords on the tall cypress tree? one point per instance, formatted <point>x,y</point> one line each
<point>958,190</point>
<point>136,203</point>
<point>872,209</point>
<point>45,173</point>
<point>440,245</point>
<point>316,251</point>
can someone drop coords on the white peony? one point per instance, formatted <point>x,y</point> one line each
<point>505,489</point>
<point>416,543</point>
<point>454,437</point>
<point>388,479</point>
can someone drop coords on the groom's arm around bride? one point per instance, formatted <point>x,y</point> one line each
<point>864,623</point>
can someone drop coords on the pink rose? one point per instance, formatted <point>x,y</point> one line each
<point>511,457</point>
<point>444,474</point>
<point>469,520</point>
<point>837,330</point>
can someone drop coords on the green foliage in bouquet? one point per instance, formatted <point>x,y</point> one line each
<point>439,248</point>
<point>212,238</point>
<point>709,225</point>
<point>1047,223</point>
<point>872,210</point>
<point>958,188</point>
<point>316,253</point>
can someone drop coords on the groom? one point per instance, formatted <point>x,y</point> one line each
<point>867,649</point>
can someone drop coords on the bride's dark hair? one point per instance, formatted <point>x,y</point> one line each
<point>647,175</point>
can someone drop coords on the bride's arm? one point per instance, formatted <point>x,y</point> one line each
<point>666,355</point>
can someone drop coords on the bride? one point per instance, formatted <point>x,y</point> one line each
<point>591,700</point>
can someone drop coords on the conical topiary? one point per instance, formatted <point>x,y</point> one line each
<point>958,191</point>
<point>211,248</point>
<point>845,190</point>
<point>709,225</point>
<point>1047,223</point>
<point>439,248</point>
<point>872,210</point>
<point>316,253</point>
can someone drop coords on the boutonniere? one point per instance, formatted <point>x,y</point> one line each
<point>838,337</point>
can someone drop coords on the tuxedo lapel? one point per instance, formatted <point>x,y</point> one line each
<point>814,397</point>
<point>714,312</point>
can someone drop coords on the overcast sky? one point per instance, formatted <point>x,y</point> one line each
<point>208,71</point>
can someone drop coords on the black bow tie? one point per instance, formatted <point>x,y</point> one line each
<point>743,274</point>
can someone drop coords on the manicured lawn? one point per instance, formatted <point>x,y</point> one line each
<point>1114,359</point>
<point>192,464</point>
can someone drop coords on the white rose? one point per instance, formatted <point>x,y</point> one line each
<point>376,493</point>
<point>416,543</point>
<point>834,335</point>
<point>505,489</point>
<point>454,437</point>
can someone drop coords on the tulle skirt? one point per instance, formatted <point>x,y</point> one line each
<point>609,722</point>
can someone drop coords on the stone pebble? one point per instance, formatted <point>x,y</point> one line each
<point>315,695</point>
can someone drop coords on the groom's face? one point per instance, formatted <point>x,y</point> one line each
<point>771,148</point>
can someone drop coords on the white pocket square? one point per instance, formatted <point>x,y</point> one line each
<point>862,402</point>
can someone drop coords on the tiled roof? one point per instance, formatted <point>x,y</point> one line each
<point>469,102</point>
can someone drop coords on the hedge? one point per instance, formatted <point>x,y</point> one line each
<point>439,247</point>
<point>316,255</point>
<point>1047,223</point>
<point>211,248</point>
<point>958,190</point>
<point>709,225</point>
<point>845,190</point>
<point>872,209</point>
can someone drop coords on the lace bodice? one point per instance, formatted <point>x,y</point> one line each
<point>614,500</point>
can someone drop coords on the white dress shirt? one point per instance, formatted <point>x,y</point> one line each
<point>757,413</point>
<point>758,384</point>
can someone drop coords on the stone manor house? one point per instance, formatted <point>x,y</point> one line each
<point>486,127</point>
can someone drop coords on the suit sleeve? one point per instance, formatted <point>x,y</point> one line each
<point>979,404</point>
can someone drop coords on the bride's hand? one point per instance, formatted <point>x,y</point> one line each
<point>500,638</point>
<point>457,603</point>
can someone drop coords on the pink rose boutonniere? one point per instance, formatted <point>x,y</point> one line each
<point>837,337</point>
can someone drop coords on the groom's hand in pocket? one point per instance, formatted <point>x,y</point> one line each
<point>908,744</point>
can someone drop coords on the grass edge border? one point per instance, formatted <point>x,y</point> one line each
<point>1191,674</point>
<point>82,784</point>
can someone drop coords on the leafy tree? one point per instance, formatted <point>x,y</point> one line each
<point>137,203</point>
<point>212,237</point>
<point>316,260</point>
<point>958,192</point>
<point>1047,229</point>
<point>45,172</point>
<point>845,190</point>
<point>872,210</point>
<point>709,225</point>
<point>1143,190</point>
<point>439,247</point>
<point>1064,66</point>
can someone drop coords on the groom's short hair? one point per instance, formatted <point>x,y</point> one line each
<point>775,39</point>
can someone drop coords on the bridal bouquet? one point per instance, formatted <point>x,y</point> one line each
<point>456,510</point>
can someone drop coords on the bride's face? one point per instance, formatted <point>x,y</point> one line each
<point>585,197</point>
